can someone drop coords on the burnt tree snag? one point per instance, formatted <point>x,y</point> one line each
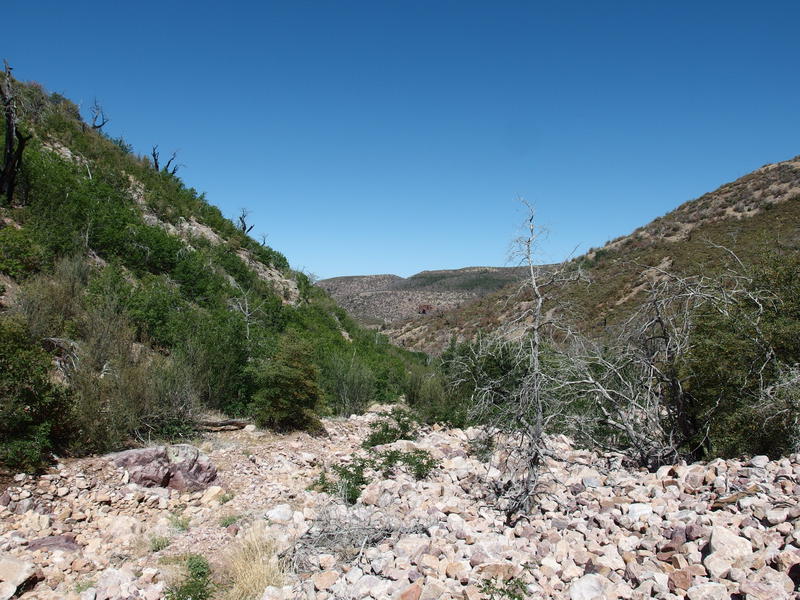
<point>99,119</point>
<point>15,140</point>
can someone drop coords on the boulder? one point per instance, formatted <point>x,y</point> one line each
<point>15,575</point>
<point>180,466</point>
<point>591,587</point>
<point>727,550</point>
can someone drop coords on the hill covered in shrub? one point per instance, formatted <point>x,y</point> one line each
<point>129,304</point>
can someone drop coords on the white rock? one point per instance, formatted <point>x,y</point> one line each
<point>708,591</point>
<point>14,573</point>
<point>591,587</point>
<point>639,510</point>
<point>282,513</point>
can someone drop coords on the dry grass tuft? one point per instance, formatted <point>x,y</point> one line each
<point>252,565</point>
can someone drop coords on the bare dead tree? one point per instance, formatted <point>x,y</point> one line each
<point>514,393</point>
<point>248,304</point>
<point>243,226</point>
<point>99,119</point>
<point>156,156</point>
<point>15,140</point>
<point>175,165</point>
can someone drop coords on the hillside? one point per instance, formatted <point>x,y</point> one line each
<point>130,306</point>
<point>755,213</point>
<point>380,299</point>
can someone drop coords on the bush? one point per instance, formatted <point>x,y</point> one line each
<point>419,462</point>
<point>349,384</point>
<point>197,583</point>
<point>286,388</point>
<point>20,255</point>
<point>350,480</point>
<point>31,407</point>
<point>433,399</point>
<point>396,426</point>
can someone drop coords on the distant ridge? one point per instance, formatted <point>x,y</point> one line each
<point>381,299</point>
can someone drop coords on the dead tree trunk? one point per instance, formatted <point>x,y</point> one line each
<point>15,140</point>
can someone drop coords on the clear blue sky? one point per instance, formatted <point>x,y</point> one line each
<point>391,137</point>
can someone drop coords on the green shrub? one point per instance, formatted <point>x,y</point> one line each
<point>349,384</point>
<point>419,462</point>
<point>228,520</point>
<point>20,254</point>
<point>179,522</point>
<point>158,543</point>
<point>197,583</point>
<point>395,426</point>
<point>286,387</point>
<point>350,480</point>
<point>32,408</point>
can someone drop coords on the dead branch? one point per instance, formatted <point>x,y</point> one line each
<point>99,119</point>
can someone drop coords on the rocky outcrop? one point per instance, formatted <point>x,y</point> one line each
<point>180,467</point>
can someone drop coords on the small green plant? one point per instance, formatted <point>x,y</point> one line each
<point>349,482</point>
<point>397,426</point>
<point>158,543</point>
<point>179,522</point>
<point>228,520</point>
<point>497,589</point>
<point>225,498</point>
<point>82,586</point>
<point>419,462</point>
<point>197,583</point>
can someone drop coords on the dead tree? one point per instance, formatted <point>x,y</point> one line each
<point>15,140</point>
<point>99,119</point>
<point>171,162</point>
<point>243,226</point>
<point>513,391</point>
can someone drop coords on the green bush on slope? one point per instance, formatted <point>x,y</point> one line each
<point>31,406</point>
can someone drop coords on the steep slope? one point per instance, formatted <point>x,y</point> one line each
<point>752,215</point>
<point>152,306</point>
<point>379,299</point>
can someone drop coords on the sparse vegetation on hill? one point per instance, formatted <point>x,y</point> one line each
<point>150,306</point>
<point>752,215</point>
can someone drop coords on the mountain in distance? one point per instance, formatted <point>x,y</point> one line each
<point>380,299</point>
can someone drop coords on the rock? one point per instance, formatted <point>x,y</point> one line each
<point>212,495</point>
<point>181,467</point>
<point>638,511</point>
<point>727,550</point>
<point>65,542</point>
<point>591,587</point>
<point>681,579</point>
<point>759,461</point>
<point>272,592</point>
<point>15,574</point>
<point>708,591</point>
<point>433,590</point>
<point>282,513</point>
<point>325,579</point>
<point>411,592</point>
